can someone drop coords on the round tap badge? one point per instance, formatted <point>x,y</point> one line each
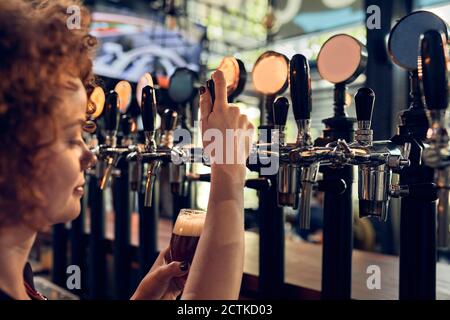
<point>123,89</point>
<point>96,103</point>
<point>145,80</point>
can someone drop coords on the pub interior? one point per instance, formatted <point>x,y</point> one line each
<point>347,181</point>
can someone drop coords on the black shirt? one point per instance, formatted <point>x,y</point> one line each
<point>29,286</point>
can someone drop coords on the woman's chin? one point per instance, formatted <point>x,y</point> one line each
<point>73,214</point>
<point>70,213</point>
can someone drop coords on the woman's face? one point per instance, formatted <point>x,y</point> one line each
<point>66,159</point>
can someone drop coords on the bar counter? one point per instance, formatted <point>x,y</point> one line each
<point>304,264</point>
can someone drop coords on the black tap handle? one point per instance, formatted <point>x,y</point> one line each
<point>364,101</point>
<point>111,112</point>
<point>211,88</point>
<point>254,183</point>
<point>300,80</point>
<point>280,111</point>
<point>258,183</point>
<point>148,109</point>
<point>434,70</point>
<point>126,122</point>
<point>336,186</point>
<point>170,119</point>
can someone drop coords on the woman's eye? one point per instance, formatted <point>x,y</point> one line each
<point>76,143</point>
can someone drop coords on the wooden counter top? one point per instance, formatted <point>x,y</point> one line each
<point>303,267</point>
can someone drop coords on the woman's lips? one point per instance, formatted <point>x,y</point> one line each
<point>79,191</point>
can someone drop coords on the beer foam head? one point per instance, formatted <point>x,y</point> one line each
<point>190,223</point>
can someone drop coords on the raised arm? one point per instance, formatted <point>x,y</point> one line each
<point>217,268</point>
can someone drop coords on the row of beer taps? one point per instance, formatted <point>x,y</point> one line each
<point>299,162</point>
<point>147,156</point>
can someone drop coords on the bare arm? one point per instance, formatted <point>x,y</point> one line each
<point>217,268</point>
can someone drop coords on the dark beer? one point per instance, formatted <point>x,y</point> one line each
<point>186,234</point>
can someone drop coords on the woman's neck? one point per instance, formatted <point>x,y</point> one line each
<point>15,245</point>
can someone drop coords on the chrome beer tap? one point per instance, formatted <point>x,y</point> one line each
<point>177,172</point>
<point>148,109</point>
<point>111,119</point>
<point>293,178</point>
<point>300,81</point>
<point>299,162</point>
<point>376,160</point>
<point>434,79</point>
<point>95,107</point>
<point>129,144</point>
<point>288,186</point>
<point>151,154</point>
<point>109,152</point>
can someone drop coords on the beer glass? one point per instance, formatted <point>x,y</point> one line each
<point>186,234</point>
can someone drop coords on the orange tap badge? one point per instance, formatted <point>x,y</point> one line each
<point>123,89</point>
<point>96,103</point>
<point>94,109</point>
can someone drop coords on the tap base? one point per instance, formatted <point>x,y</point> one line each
<point>369,208</point>
<point>287,200</point>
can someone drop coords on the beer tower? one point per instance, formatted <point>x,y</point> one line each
<point>433,73</point>
<point>270,78</point>
<point>418,215</point>
<point>181,92</point>
<point>338,215</point>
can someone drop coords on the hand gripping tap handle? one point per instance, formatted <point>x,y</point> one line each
<point>300,81</point>
<point>433,69</point>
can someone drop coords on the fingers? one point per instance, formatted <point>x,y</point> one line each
<point>172,270</point>
<point>220,85</point>
<point>234,114</point>
<point>205,103</point>
<point>162,259</point>
<point>165,254</point>
<point>246,129</point>
<point>220,92</point>
<point>243,121</point>
<point>179,283</point>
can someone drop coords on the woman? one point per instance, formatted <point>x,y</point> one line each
<point>47,75</point>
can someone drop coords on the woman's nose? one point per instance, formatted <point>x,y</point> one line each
<point>88,159</point>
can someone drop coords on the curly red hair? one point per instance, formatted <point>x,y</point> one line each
<point>37,48</point>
